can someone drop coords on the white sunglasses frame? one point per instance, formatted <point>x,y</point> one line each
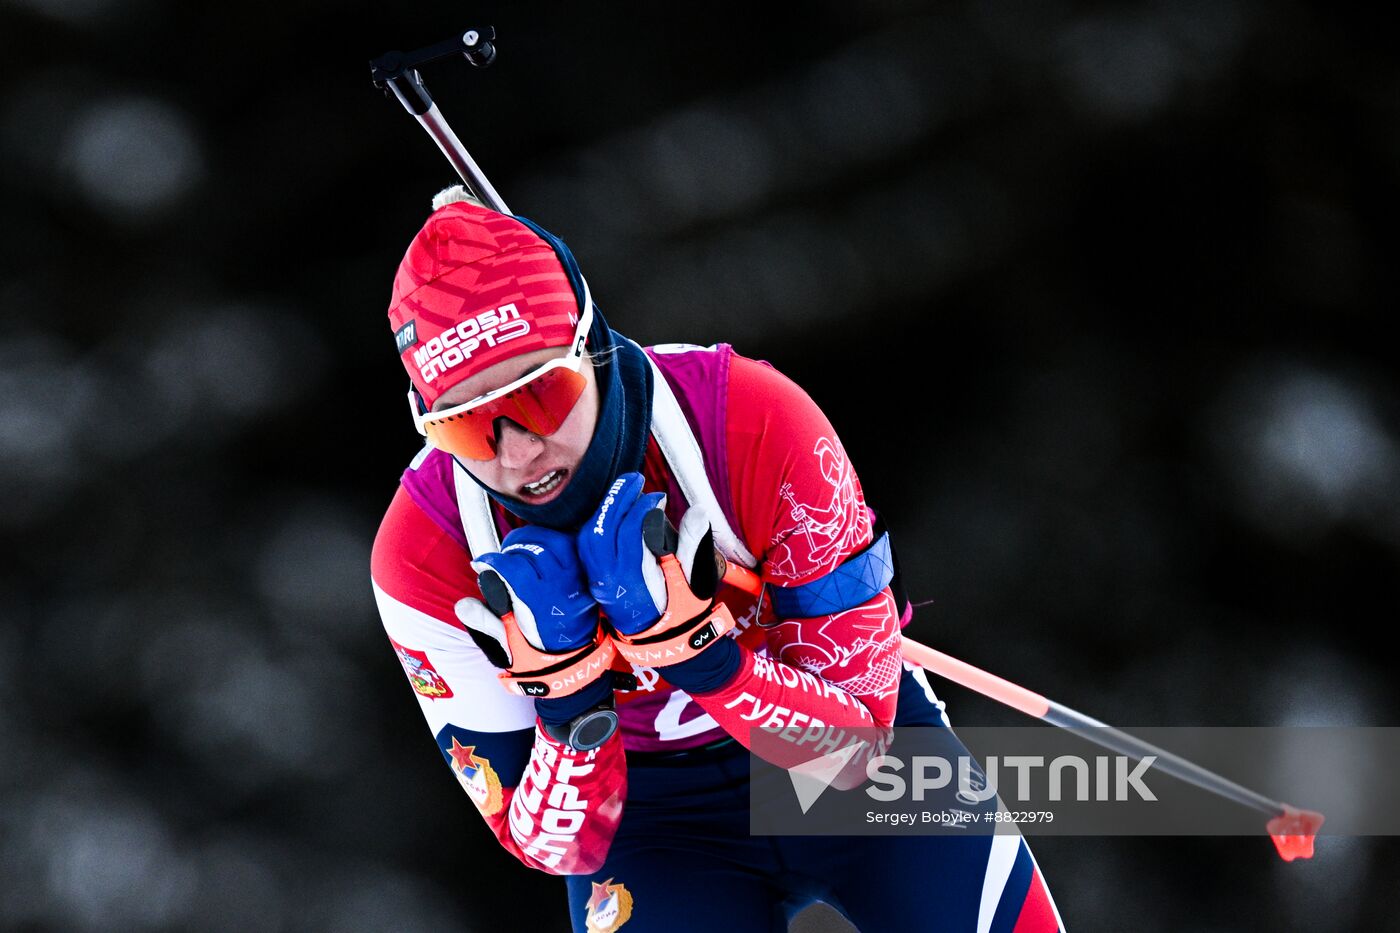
<point>573,360</point>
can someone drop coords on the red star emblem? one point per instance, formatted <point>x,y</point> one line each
<point>463,757</point>
<point>600,894</point>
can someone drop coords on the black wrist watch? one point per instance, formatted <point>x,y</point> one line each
<point>585,731</point>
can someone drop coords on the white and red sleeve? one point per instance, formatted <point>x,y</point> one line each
<point>801,511</point>
<point>550,806</point>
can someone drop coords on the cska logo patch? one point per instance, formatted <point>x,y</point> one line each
<point>477,777</point>
<point>426,681</point>
<point>609,907</point>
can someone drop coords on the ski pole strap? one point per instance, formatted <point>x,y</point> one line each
<point>668,642</point>
<point>536,673</point>
<point>855,581</point>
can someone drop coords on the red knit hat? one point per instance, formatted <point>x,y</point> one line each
<point>476,287</point>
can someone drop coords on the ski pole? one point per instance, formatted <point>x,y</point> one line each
<point>1293,830</point>
<point>398,72</point>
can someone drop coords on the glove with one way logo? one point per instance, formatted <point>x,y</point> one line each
<point>542,624</point>
<point>657,586</point>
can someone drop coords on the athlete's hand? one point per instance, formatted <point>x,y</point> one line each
<point>543,585</point>
<point>538,613</point>
<point>624,577</point>
<point>656,586</point>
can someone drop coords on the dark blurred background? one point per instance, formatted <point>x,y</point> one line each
<point>1093,292</point>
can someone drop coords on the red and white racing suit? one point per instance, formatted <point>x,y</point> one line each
<point>797,505</point>
<point>778,471</point>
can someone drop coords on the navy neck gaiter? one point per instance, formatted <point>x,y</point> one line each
<point>619,444</point>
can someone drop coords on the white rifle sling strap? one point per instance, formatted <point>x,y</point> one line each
<point>475,507</point>
<point>682,453</point>
<point>679,447</point>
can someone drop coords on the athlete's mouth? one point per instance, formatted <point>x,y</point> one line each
<point>545,486</point>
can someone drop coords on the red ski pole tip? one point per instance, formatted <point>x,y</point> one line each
<point>1294,831</point>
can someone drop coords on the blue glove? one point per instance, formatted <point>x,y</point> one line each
<point>544,578</point>
<point>622,574</point>
<point>627,581</point>
<point>544,581</point>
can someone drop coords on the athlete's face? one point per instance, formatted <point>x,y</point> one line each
<point>529,467</point>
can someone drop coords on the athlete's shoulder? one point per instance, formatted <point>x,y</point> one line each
<point>763,402</point>
<point>687,365</point>
<point>416,558</point>
<point>797,497</point>
<point>668,350</point>
<point>404,533</point>
<point>751,388</point>
<point>753,380</point>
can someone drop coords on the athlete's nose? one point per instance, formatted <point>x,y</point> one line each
<point>515,446</point>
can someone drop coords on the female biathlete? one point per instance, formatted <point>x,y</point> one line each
<point>592,677</point>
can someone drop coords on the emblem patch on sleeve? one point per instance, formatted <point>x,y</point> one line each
<point>426,681</point>
<point>609,907</point>
<point>477,777</point>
